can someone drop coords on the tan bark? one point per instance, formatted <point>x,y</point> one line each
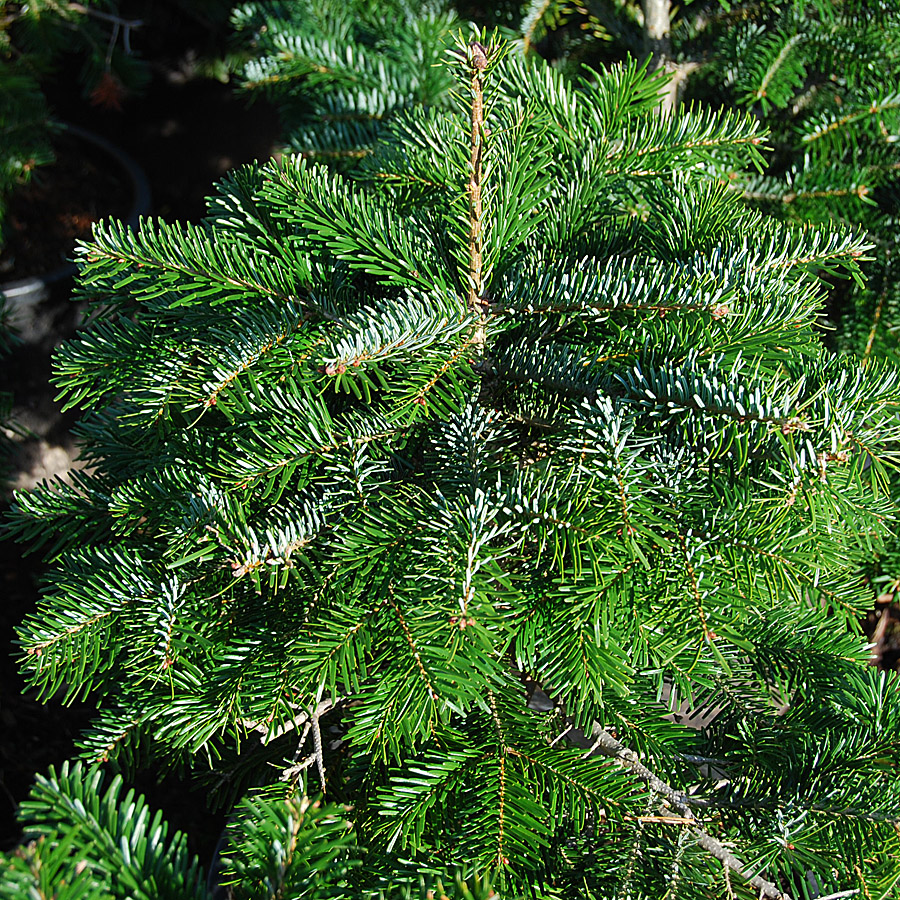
<point>657,26</point>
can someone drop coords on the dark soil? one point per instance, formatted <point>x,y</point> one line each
<point>60,205</point>
<point>185,132</point>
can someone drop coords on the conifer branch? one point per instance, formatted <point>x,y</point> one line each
<point>695,589</point>
<point>407,543</point>
<point>414,650</point>
<point>824,808</point>
<point>776,65</point>
<point>874,109</point>
<point>606,744</point>
<point>501,804</point>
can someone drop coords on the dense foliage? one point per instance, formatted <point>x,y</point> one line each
<point>504,495</point>
<point>824,77</point>
<point>339,72</point>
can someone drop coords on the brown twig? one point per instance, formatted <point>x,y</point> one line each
<point>877,639</point>
<point>876,317</point>
<point>478,63</point>
<point>104,17</point>
<point>606,744</point>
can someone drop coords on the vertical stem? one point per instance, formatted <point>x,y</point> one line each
<point>879,308</point>
<point>478,62</point>
<point>874,329</point>
<point>657,21</point>
<point>657,25</point>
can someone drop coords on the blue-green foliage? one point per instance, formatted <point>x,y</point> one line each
<point>339,71</point>
<point>85,842</point>
<point>826,76</point>
<point>88,841</point>
<point>374,461</point>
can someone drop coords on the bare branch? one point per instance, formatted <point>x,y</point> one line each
<point>105,17</point>
<point>657,23</point>
<point>606,744</point>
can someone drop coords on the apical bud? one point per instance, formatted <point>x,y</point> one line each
<point>478,54</point>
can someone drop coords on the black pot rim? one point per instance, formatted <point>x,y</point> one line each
<point>140,205</point>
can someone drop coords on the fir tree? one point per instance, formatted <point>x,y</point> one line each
<point>826,76</point>
<point>504,495</point>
